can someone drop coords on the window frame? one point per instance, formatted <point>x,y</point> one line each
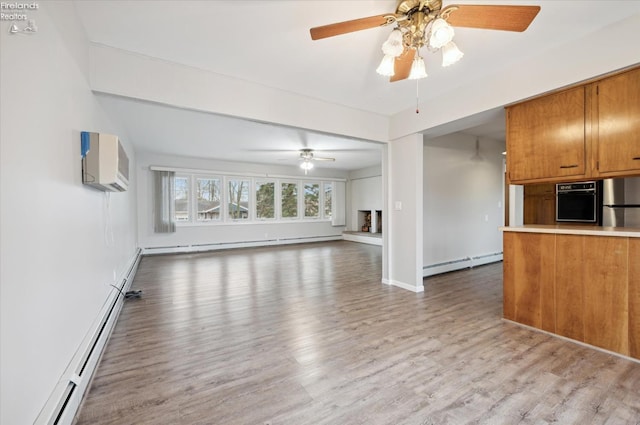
<point>252,216</point>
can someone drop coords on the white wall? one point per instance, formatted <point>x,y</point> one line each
<point>61,242</point>
<point>224,233</point>
<point>364,193</point>
<point>463,198</point>
<point>403,235</point>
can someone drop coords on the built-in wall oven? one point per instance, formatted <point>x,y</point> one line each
<point>578,202</point>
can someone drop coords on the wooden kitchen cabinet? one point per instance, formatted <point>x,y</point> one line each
<point>539,205</point>
<point>569,293</point>
<point>583,287</point>
<point>634,298</point>
<point>588,131</point>
<point>545,137</point>
<point>529,264</point>
<point>605,315</point>
<point>617,127</point>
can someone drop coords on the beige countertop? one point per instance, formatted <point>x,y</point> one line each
<point>567,229</point>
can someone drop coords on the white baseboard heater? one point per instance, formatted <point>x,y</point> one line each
<point>229,245</point>
<point>66,398</point>
<point>461,263</point>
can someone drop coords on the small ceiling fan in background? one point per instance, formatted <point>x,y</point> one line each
<point>307,157</point>
<point>424,23</point>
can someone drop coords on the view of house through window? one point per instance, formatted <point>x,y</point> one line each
<point>199,198</point>
<point>208,199</point>
<point>181,198</point>
<point>238,199</point>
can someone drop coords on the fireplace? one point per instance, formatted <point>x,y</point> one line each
<point>369,221</point>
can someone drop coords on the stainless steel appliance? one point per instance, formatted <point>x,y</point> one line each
<point>621,202</point>
<point>577,202</point>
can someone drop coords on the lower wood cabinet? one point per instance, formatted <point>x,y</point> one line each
<point>529,264</point>
<point>634,298</point>
<point>586,288</point>
<point>606,312</point>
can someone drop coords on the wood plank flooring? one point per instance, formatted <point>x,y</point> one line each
<point>307,334</point>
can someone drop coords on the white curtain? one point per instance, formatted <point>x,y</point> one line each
<point>163,208</point>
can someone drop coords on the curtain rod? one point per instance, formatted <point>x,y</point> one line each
<point>227,173</point>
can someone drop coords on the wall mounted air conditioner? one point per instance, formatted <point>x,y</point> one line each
<point>105,165</point>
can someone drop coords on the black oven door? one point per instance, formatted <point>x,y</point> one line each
<point>577,206</point>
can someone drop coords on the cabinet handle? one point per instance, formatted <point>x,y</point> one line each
<point>569,166</point>
<point>637,158</point>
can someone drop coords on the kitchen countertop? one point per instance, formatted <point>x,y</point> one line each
<point>567,229</point>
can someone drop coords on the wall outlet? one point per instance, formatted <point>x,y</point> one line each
<point>486,218</point>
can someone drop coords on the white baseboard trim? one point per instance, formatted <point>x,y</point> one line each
<point>67,396</point>
<point>459,264</point>
<point>229,245</point>
<point>407,286</point>
<point>362,239</point>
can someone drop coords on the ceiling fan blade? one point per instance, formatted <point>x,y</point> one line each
<point>492,17</point>
<point>349,26</point>
<point>402,66</point>
<point>318,158</point>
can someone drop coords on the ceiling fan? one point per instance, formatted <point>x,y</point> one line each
<point>307,157</point>
<point>425,23</point>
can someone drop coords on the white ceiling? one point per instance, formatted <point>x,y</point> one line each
<point>267,42</point>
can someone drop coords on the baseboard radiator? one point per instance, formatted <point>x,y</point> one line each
<point>66,398</point>
<point>229,245</point>
<point>461,263</point>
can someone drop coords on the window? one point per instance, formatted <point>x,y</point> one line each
<point>312,200</point>
<point>289,192</point>
<point>238,199</point>
<point>328,187</point>
<point>181,198</point>
<point>208,198</point>
<point>203,199</point>
<point>265,200</point>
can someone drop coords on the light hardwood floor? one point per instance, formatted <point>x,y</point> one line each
<point>307,334</point>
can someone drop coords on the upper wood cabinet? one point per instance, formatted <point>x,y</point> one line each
<point>545,137</point>
<point>617,127</point>
<point>588,131</point>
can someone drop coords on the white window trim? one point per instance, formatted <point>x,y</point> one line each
<point>224,220</point>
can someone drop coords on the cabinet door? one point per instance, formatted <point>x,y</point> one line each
<point>618,123</point>
<point>606,315</point>
<point>569,286</point>
<point>546,137</point>
<point>539,206</point>
<point>529,279</point>
<point>634,297</point>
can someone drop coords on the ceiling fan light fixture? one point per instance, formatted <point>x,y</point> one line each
<point>441,33</point>
<point>451,54</point>
<point>387,66</point>
<point>393,46</point>
<point>418,68</point>
<point>306,165</point>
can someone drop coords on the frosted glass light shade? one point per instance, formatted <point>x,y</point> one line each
<point>387,66</point>
<point>418,69</point>
<point>451,54</point>
<point>393,46</point>
<point>441,33</point>
<point>306,165</point>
